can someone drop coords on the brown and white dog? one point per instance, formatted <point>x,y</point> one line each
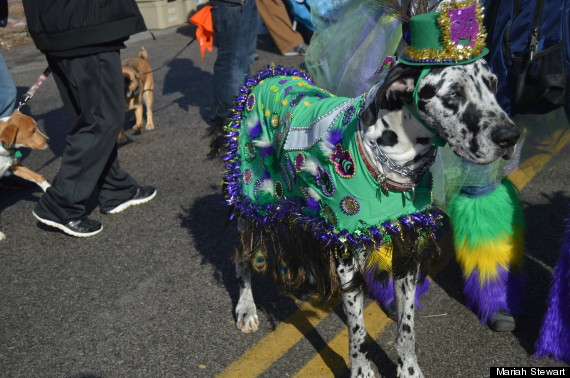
<point>17,131</point>
<point>139,87</point>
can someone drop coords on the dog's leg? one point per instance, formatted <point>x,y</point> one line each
<point>353,305</point>
<point>148,99</point>
<point>405,292</point>
<point>27,174</point>
<point>246,312</point>
<point>139,118</point>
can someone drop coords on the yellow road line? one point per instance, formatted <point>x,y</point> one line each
<point>330,361</point>
<point>269,349</point>
<point>529,168</point>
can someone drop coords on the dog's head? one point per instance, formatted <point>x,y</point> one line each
<point>459,103</point>
<point>131,82</point>
<point>20,130</point>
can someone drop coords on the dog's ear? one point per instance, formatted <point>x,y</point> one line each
<point>397,86</point>
<point>8,135</point>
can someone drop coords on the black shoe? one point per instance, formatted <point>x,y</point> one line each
<point>143,195</point>
<point>81,227</point>
<point>502,321</point>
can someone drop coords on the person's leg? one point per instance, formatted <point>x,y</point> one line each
<point>8,91</point>
<point>278,23</point>
<point>234,33</point>
<point>92,97</point>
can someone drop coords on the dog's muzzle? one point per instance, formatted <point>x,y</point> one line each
<point>506,136</point>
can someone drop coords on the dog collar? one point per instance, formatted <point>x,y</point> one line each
<point>437,139</point>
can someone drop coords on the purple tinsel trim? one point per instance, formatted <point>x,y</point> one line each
<point>554,337</point>
<point>270,215</point>
<point>502,293</point>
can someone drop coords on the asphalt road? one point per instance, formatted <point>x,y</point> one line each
<point>152,295</point>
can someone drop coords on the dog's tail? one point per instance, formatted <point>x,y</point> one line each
<point>143,54</point>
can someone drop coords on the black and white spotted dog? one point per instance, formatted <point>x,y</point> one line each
<point>456,102</point>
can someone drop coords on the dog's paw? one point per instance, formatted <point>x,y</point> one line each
<point>2,236</point>
<point>149,126</point>
<point>44,185</point>
<point>409,370</point>
<point>246,315</point>
<point>248,323</point>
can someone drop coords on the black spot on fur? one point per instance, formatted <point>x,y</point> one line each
<point>406,328</point>
<point>423,140</point>
<point>385,123</point>
<point>412,306</point>
<point>471,117</point>
<point>356,328</point>
<point>411,370</point>
<point>409,317</point>
<point>388,139</point>
<point>363,348</point>
<point>400,362</point>
<point>354,355</point>
<point>427,91</point>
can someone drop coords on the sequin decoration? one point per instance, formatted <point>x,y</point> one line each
<point>348,113</point>
<point>464,26</point>
<point>297,99</point>
<point>350,205</point>
<point>250,103</point>
<point>292,171</point>
<point>299,161</point>
<point>247,176</point>
<point>256,188</point>
<point>279,191</point>
<point>249,151</point>
<point>328,214</point>
<point>284,127</point>
<point>275,120</point>
<point>324,181</point>
<point>343,162</point>
<point>286,178</point>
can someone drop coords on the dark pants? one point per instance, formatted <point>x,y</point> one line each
<point>91,88</point>
<point>235,34</point>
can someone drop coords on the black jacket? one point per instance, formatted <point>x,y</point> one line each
<point>66,25</point>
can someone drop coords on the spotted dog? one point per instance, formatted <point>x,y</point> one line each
<point>321,185</point>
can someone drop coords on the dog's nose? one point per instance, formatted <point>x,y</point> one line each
<point>506,136</point>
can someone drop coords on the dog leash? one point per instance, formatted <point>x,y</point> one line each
<point>33,89</point>
<point>168,61</point>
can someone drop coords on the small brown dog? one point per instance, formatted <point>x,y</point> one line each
<point>17,131</point>
<point>139,87</point>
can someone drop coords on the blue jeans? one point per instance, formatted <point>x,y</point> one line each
<point>235,35</point>
<point>8,91</point>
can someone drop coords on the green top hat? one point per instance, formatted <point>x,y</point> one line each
<point>455,35</point>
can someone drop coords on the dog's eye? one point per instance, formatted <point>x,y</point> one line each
<point>454,95</point>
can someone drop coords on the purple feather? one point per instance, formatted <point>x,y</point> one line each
<point>335,137</point>
<point>554,337</point>
<point>255,131</point>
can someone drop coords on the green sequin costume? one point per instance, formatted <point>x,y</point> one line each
<point>285,154</point>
